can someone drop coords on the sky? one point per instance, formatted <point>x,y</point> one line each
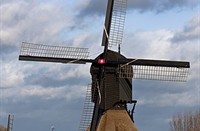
<point>42,95</point>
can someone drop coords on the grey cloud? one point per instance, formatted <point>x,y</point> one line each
<point>93,7</point>
<point>160,87</point>
<point>97,7</point>
<point>56,75</point>
<point>142,6</point>
<point>161,109</point>
<point>190,32</point>
<point>62,114</point>
<point>160,6</point>
<point>149,115</point>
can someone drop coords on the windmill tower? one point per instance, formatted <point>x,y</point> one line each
<point>112,73</point>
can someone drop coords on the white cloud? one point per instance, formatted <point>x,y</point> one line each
<point>62,71</point>
<point>32,21</point>
<point>81,39</point>
<point>11,76</point>
<point>68,93</point>
<point>31,93</point>
<point>152,44</point>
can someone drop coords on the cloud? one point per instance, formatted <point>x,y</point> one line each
<point>92,7</point>
<point>35,97</point>
<point>162,44</point>
<point>33,21</point>
<point>67,92</point>
<point>166,44</point>
<point>153,44</point>
<point>33,104</point>
<point>160,6</point>
<point>184,99</point>
<point>97,7</point>
<point>58,75</point>
<point>186,44</point>
<point>51,93</point>
<point>190,32</point>
<point>10,75</point>
<point>37,22</point>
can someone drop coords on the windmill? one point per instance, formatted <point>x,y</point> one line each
<point>111,72</point>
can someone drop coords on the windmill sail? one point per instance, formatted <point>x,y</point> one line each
<point>87,111</point>
<point>114,23</point>
<point>154,70</point>
<point>153,73</point>
<point>46,53</point>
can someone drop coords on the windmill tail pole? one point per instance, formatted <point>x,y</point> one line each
<point>95,118</point>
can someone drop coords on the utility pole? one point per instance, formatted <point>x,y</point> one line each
<point>10,122</point>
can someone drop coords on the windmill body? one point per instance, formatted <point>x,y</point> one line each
<point>114,90</point>
<point>111,72</point>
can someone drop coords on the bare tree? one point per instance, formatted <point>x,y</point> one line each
<point>186,122</point>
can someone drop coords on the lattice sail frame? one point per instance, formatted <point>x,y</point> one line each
<point>153,73</point>
<point>87,113</point>
<point>117,22</point>
<point>37,50</point>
